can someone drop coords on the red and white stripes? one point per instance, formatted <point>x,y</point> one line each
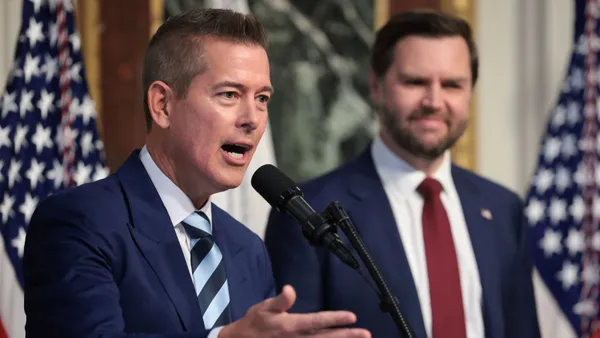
<point>589,226</point>
<point>67,118</point>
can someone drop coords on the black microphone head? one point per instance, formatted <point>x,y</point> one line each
<point>274,186</point>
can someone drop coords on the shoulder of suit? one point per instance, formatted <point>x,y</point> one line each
<point>89,200</point>
<point>101,189</point>
<point>483,184</point>
<point>331,179</point>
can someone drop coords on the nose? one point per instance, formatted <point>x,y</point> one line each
<point>433,97</point>
<point>249,117</point>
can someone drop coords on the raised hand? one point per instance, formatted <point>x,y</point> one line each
<point>271,319</point>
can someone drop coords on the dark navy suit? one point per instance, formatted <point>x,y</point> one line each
<point>103,260</point>
<point>322,282</point>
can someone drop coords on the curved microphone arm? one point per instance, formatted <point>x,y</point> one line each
<point>389,303</point>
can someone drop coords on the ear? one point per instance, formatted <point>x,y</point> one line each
<point>375,88</point>
<point>160,100</point>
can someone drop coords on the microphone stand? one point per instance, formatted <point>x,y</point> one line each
<point>389,303</point>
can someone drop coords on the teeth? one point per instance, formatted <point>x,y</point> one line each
<point>235,155</point>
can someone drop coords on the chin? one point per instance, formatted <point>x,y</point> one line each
<point>432,141</point>
<point>229,181</point>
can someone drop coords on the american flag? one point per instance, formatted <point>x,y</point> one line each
<point>563,204</point>
<point>48,137</point>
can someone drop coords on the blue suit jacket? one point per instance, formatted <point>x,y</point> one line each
<point>323,282</point>
<point>103,260</point>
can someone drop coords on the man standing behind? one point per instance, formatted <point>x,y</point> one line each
<point>452,245</point>
<point>144,253</point>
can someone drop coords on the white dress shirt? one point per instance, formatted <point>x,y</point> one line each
<point>400,182</point>
<point>179,207</point>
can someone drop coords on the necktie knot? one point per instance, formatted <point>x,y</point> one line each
<point>197,225</point>
<point>430,187</point>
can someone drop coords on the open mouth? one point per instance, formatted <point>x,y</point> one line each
<point>236,150</point>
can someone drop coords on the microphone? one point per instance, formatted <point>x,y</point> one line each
<point>283,194</point>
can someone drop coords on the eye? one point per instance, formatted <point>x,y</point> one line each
<point>415,82</point>
<point>453,85</point>
<point>263,98</point>
<point>229,95</point>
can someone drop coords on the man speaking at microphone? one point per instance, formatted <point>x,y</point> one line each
<point>452,246</point>
<point>144,253</point>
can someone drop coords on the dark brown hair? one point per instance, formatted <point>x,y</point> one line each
<point>425,23</point>
<point>174,50</point>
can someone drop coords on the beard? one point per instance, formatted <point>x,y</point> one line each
<point>411,142</point>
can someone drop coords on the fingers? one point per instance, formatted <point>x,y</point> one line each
<point>283,301</point>
<point>320,320</point>
<point>319,325</point>
<point>342,333</point>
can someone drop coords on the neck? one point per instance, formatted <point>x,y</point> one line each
<point>168,167</point>
<point>426,165</point>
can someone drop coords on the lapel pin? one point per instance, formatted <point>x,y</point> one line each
<point>487,214</point>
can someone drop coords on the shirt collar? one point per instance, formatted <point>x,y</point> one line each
<point>395,171</point>
<point>178,204</point>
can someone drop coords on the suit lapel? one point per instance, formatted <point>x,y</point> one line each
<point>154,234</point>
<point>480,225</point>
<point>376,224</point>
<point>235,268</point>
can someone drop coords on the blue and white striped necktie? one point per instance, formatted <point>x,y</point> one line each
<point>208,269</point>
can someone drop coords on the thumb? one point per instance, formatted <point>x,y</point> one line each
<point>283,301</point>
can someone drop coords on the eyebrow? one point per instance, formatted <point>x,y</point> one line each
<point>242,87</point>
<point>458,79</point>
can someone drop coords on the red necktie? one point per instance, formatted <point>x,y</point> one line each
<point>447,313</point>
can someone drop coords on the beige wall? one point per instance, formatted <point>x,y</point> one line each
<point>10,19</point>
<point>524,47</point>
